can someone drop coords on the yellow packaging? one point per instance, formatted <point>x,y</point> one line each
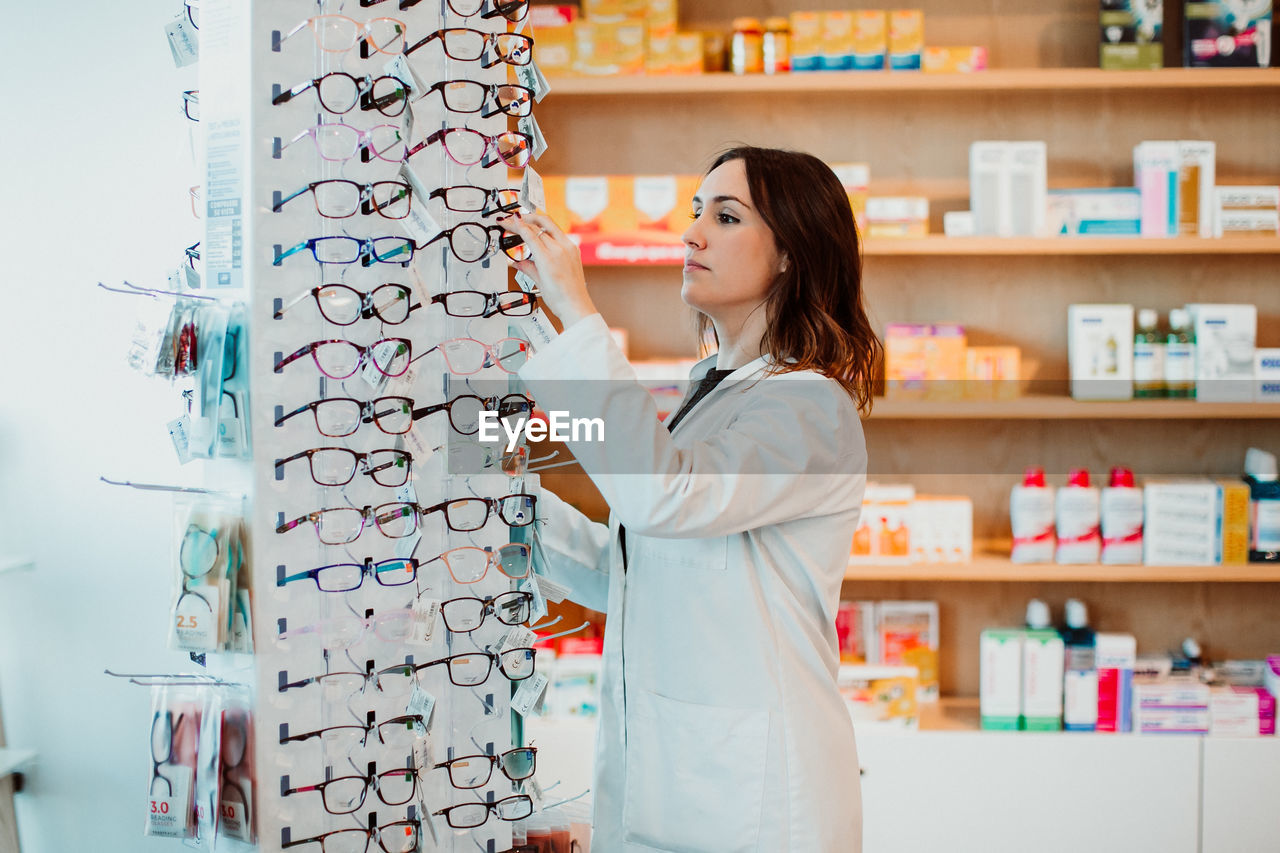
<point>992,373</point>
<point>904,356</point>
<point>615,47</point>
<point>1235,522</point>
<point>884,527</point>
<point>555,49</point>
<point>906,39</point>
<point>661,14</point>
<point>855,178</point>
<point>686,53</point>
<point>806,41</point>
<point>954,60</point>
<point>880,696</point>
<point>659,46</point>
<point>944,362</point>
<point>870,40</point>
<point>715,51</point>
<point>613,11</point>
<point>837,40</point>
<point>662,202</point>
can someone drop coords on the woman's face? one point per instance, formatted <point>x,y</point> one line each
<point>730,254</point>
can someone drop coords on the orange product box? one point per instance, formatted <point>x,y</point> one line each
<point>613,11</point>
<point>906,39</point>
<point>616,47</point>
<point>992,373</point>
<point>904,357</point>
<point>546,17</point>
<point>837,40</point>
<point>884,527</point>
<point>662,202</point>
<point>554,40</point>
<point>661,14</point>
<point>590,204</point>
<point>944,362</point>
<point>909,637</point>
<point>659,45</point>
<point>806,41</point>
<point>954,60</point>
<point>686,53</point>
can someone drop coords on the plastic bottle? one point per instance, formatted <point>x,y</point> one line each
<point>777,45</point>
<point>1080,679</point>
<point>1043,656</point>
<point>1180,356</point>
<point>1148,356</point>
<point>1032,520</point>
<point>1079,522</point>
<point>1264,506</point>
<point>746,47</point>
<point>1121,520</point>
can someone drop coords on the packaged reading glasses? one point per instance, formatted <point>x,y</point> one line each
<point>176,715</point>
<point>212,586</point>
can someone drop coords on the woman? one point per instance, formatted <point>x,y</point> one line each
<point>721,728</point>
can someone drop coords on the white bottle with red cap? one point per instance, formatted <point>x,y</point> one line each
<point>1079,522</point>
<point>1032,520</point>
<point>1121,510</point>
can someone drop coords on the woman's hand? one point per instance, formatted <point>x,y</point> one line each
<point>556,266</point>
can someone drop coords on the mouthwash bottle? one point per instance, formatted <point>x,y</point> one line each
<point>1148,356</point>
<point>1180,356</point>
<point>1080,678</point>
<point>1264,506</point>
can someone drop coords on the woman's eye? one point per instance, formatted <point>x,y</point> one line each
<point>693,214</point>
<point>727,218</point>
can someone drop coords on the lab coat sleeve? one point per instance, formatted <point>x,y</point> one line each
<point>573,551</point>
<point>797,452</point>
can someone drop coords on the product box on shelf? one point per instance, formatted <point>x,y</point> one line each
<point>609,11</point>
<point>1043,656</point>
<point>884,527</point>
<point>1233,496</point>
<point>1116,656</point>
<point>992,373</point>
<point>1131,35</point>
<point>1100,351</point>
<point>1182,522</point>
<point>662,15</point>
<point>837,40</point>
<point>880,697</point>
<point>855,178</point>
<point>574,688</point>
<point>1000,678</point>
<point>686,53</point>
<point>870,40</point>
<point>1225,339</point>
<point>1094,212</point>
<point>942,529</point>
<point>1246,211</point>
<point>924,361</point>
<point>1196,170</point>
<point>552,31</point>
<point>856,632</point>
<point>897,216</point>
<point>1170,706</point>
<point>604,48</point>
<point>1221,33</point>
<point>906,39</point>
<point>623,219</point>
<point>806,41</point>
<point>665,380</point>
<point>1008,187</point>
<point>953,59</point>
<point>909,637</point>
<point>1156,168</point>
<point>1266,375</point>
<point>1238,711</point>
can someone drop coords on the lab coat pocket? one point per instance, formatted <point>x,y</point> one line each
<point>695,775</point>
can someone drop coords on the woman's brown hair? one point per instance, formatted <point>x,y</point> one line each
<point>816,319</point>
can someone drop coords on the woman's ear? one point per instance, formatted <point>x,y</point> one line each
<point>784,263</point>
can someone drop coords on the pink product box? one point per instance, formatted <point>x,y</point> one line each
<point>1266,709</point>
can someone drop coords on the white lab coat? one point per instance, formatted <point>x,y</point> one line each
<point>721,729</point>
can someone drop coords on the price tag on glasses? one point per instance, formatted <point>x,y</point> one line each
<point>184,40</point>
<point>526,699</point>
<point>531,77</point>
<point>422,703</point>
<point>425,614</point>
<point>529,125</point>
<point>517,637</point>
<point>533,196</point>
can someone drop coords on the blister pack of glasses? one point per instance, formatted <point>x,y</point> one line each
<point>177,712</point>
<point>212,595</point>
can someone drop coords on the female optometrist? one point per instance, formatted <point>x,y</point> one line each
<point>721,728</point>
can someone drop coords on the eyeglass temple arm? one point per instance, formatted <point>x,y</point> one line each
<point>280,463</point>
<point>284,579</point>
<point>290,94</point>
<point>424,42</point>
<point>419,414</point>
<point>304,134</point>
<point>289,359</point>
<point>300,247</point>
<point>280,204</point>
<point>280,420</point>
<point>300,297</point>
<point>289,525</point>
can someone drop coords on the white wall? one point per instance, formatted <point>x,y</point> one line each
<point>96,165</point>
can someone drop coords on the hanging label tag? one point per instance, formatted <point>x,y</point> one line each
<point>528,124</point>
<point>180,432</point>
<point>232,437</point>
<point>425,611</point>
<point>241,633</point>
<point>197,630</point>
<point>184,40</point>
<point>534,790</point>
<point>421,702</point>
<point>525,700</point>
<point>383,353</point>
<point>407,545</point>
<point>168,817</point>
<point>232,819</point>
<point>527,284</point>
<point>418,447</point>
<point>422,754</point>
<point>538,609</point>
<point>536,328</point>
<point>399,386</point>
<point>533,197</point>
<point>531,77</point>
<point>407,494</point>
<point>419,224</point>
<point>400,68</point>
<point>551,590</point>
<point>517,637</point>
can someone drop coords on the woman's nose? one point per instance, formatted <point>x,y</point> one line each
<point>693,236</point>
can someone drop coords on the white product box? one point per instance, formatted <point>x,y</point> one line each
<point>1181,693</point>
<point>880,697</point>
<point>1229,203</point>
<point>1266,375</point>
<point>885,526</point>
<point>989,188</point>
<point>1121,511</point>
<point>942,530</point>
<point>893,208</point>
<point>1000,677</point>
<point>1080,699</point>
<point>1182,523</point>
<point>1043,655</point>
<point>1248,223</point>
<point>1101,212</point>
<point>1155,174</point>
<point>1028,187</point>
<point>1117,655</point>
<point>1233,712</point>
<point>1195,187</point>
<point>1225,339</point>
<point>1100,351</point>
<point>958,223</point>
<point>1171,721</point>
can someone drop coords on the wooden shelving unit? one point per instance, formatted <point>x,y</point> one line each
<point>990,563</point>
<point>854,82</point>
<point>1046,407</point>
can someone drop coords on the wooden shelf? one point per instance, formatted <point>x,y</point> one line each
<point>14,760</point>
<point>1046,407</point>
<point>991,563</point>
<point>998,80</point>
<point>951,714</point>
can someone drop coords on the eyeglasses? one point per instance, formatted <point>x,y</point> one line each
<point>469,564</point>
<point>197,556</point>
<point>339,417</point>
<point>470,815</point>
<point>469,457</point>
<point>464,615</point>
<point>471,669</point>
<point>399,731</point>
<point>346,794</point>
<point>471,96</point>
<point>474,771</point>
<point>339,92</point>
<point>337,142</point>
<point>338,198</point>
<point>191,104</point>
<point>345,577</point>
<point>163,729</point>
<point>343,632</point>
<point>233,748</point>
<point>465,356</point>
<point>336,466</point>
<point>468,199</point>
<point>466,45</point>
<point>474,303</point>
<point>339,359</point>
<point>343,305</point>
<point>464,410</point>
<point>193,12</point>
<point>471,242</point>
<point>393,681</point>
<point>398,519</point>
<point>348,250</point>
<point>357,840</point>
<point>513,10</point>
<point>338,33</point>
<point>466,147</point>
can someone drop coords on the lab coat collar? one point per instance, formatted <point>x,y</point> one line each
<point>747,370</point>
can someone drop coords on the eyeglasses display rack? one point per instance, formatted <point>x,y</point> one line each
<point>390,551</point>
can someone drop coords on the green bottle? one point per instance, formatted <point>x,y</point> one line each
<point>1180,356</point>
<point>1148,356</point>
